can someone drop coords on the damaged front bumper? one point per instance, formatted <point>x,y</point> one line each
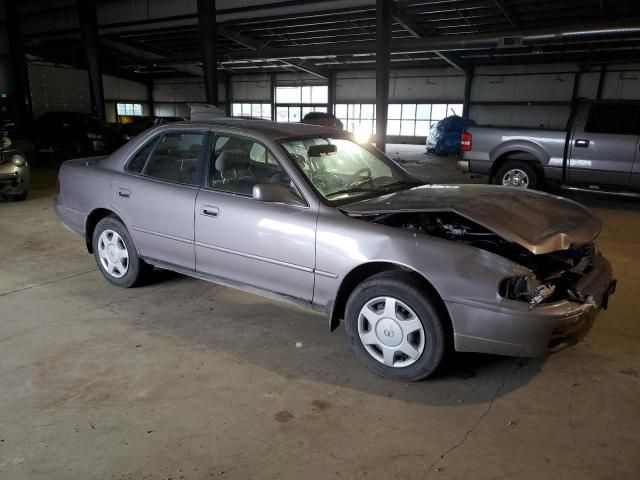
<point>510,327</point>
<point>14,180</point>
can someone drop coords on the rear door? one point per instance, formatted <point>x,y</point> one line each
<point>604,145</point>
<point>157,192</point>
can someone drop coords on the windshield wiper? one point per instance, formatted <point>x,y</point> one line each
<point>380,189</point>
<point>401,183</point>
<point>351,190</point>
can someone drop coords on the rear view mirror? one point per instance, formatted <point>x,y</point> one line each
<point>317,150</point>
<point>276,193</point>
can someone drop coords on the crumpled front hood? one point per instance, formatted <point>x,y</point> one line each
<point>537,221</point>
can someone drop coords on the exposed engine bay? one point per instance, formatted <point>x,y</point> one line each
<point>556,274</point>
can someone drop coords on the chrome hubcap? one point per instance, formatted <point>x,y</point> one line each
<point>516,178</point>
<point>391,332</point>
<point>113,254</point>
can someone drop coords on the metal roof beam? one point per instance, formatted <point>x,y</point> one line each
<point>417,31</point>
<point>258,46</point>
<point>307,67</point>
<point>150,57</point>
<point>244,40</point>
<point>508,13</point>
<point>454,61</point>
<point>407,22</point>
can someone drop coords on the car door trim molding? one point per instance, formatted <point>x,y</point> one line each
<point>245,287</point>
<point>326,274</point>
<point>254,257</point>
<point>163,235</point>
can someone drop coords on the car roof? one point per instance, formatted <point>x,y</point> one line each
<point>269,128</point>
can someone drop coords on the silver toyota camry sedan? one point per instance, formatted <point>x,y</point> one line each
<point>306,214</point>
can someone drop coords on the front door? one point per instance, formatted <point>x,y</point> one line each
<point>157,193</point>
<point>604,145</point>
<point>265,245</point>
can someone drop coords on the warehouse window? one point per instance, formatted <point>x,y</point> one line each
<point>406,119</point>
<point>357,117</point>
<point>253,110</point>
<point>293,103</point>
<point>130,109</point>
<point>415,119</point>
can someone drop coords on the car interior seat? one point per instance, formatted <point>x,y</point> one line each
<point>233,170</point>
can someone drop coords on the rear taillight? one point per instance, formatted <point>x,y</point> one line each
<point>465,142</point>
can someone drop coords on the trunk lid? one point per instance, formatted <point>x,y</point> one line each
<point>537,221</point>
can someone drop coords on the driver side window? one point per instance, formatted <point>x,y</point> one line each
<point>238,163</point>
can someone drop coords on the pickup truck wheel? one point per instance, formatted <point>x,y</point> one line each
<point>517,174</point>
<point>116,255</point>
<point>395,327</point>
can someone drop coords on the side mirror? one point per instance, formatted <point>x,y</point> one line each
<point>276,193</point>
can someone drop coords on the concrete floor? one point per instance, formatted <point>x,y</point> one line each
<point>186,379</point>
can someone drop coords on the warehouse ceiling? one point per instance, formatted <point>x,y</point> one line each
<point>320,36</point>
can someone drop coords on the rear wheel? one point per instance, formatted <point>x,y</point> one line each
<point>116,255</point>
<point>515,173</point>
<point>395,327</point>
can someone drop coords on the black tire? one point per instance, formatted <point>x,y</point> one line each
<point>138,271</point>
<point>404,287</point>
<point>535,179</point>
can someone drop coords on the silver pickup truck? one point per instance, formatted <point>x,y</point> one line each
<point>598,151</point>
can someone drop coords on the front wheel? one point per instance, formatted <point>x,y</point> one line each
<point>395,327</point>
<point>116,255</point>
<point>515,173</point>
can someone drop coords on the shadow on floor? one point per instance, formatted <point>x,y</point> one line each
<point>293,342</point>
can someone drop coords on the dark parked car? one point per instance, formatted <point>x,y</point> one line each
<point>323,119</point>
<point>15,175</point>
<point>77,133</point>
<point>140,124</point>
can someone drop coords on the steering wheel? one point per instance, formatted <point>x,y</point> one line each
<point>353,178</point>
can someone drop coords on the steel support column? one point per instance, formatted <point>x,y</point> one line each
<point>468,79</point>
<point>332,92</point>
<point>208,33</point>
<point>603,74</point>
<point>576,87</point>
<point>272,96</point>
<point>89,30</point>
<point>228,93</point>
<point>150,100</point>
<point>384,10</point>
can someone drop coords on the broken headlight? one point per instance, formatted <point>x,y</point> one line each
<point>517,288</point>
<point>525,289</point>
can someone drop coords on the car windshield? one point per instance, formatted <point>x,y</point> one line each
<point>340,169</point>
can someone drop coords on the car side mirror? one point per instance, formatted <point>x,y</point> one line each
<point>276,193</point>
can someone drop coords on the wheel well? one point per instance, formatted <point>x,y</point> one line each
<point>92,220</point>
<point>362,272</point>
<point>517,155</point>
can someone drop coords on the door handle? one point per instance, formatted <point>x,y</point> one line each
<point>124,192</point>
<point>209,211</point>
<point>581,142</point>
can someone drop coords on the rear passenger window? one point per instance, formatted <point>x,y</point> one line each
<point>175,158</point>
<point>614,118</point>
<point>136,164</point>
